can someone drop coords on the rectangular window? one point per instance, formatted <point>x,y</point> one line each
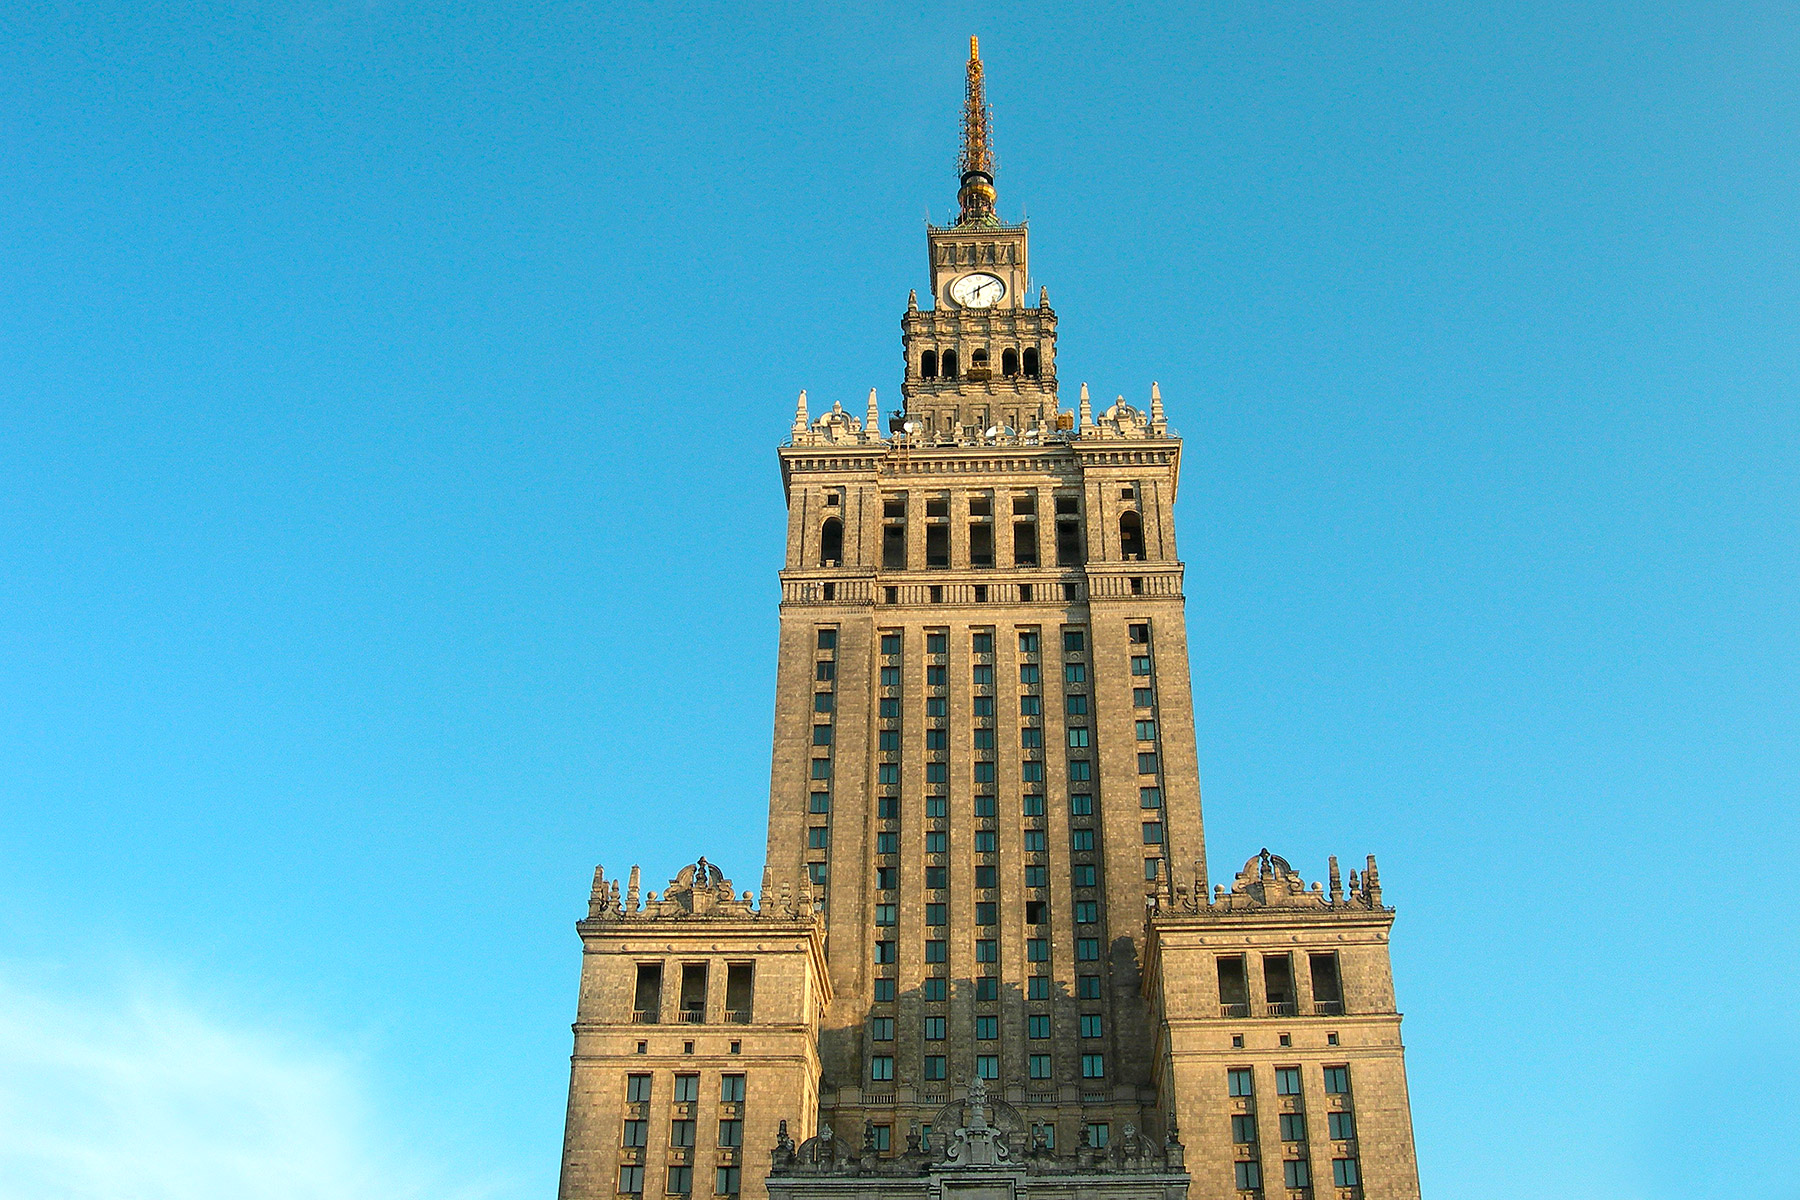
<point>1086,912</point>
<point>1142,698</point>
<point>1028,673</point>
<point>937,841</point>
<point>1081,770</point>
<point>637,1133</point>
<point>982,739</point>
<point>881,1067</point>
<point>1034,840</point>
<point>1081,839</point>
<point>987,876</point>
<point>1031,772</point>
<point>1091,1025</point>
<point>1074,673</point>
<point>1249,1175</point>
<point>936,1066</point>
<point>1099,1134</point>
<point>986,912</point>
<point>1345,1173</point>
<point>987,1028</point>
<point>937,706</point>
<point>987,1066</point>
<point>1152,868</point>
<point>1087,949</point>
<point>1087,987</point>
<point>1146,731</point>
<point>887,807</point>
<point>987,950</point>
<point>882,1137</point>
<point>937,772</point>
<point>687,1088</point>
<point>1243,1128</point>
<point>937,545</point>
<point>886,878</point>
<point>822,702</point>
<point>817,872</point>
<point>937,878</point>
<point>984,772</point>
<point>1287,1081</point>
<point>982,642</point>
<point>937,676</point>
<point>1296,1173</point>
<point>987,987</point>
<point>818,837</point>
<point>1081,806</point>
<point>890,707</point>
<point>820,802</point>
<point>631,1180</point>
<point>731,1133</point>
<point>887,843</point>
<point>1073,641</point>
<point>821,768</point>
<point>881,1029</point>
<point>1093,1066</point>
<point>1140,664</point>
<point>825,671</point>
<point>937,951</point>
<point>887,773</point>
<point>1078,737</point>
<point>1038,988</point>
<point>886,914</point>
<point>681,1133</point>
<point>1028,641</point>
<point>1293,1124</point>
<point>937,914</point>
<point>1075,705</point>
<point>1030,706</point>
<point>1337,1080</point>
<point>884,952</point>
<point>884,988</point>
<point>1031,738</point>
<point>1039,1066</point>
<point>987,841</point>
<point>637,1089</point>
<point>890,677</point>
<point>935,987</point>
<point>1037,875</point>
<point>730,1181</point>
<point>1147,763</point>
<point>937,643</point>
<point>934,1029</point>
<point>983,675</point>
<point>984,705</point>
<point>1149,797</point>
<point>1239,1082</point>
<point>1341,1126</point>
<point>1037,949</point>
<point>1153,833</point>
<point>680,1181</point>
<point>937,806</point>
<point>1033,806</point>
<point>1084,875</point>
<point>890,643</point>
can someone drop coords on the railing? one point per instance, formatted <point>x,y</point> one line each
<point>645,1016</point>
<point>737,1016</point>
<point>1328,1008</point>
<point>1234,1010</point>
<point>693,1016</point>
<point>1281,1008</point>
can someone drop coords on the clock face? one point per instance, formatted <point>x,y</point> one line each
<point>978,291</point>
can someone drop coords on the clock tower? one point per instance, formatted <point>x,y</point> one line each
<point>984,355</point>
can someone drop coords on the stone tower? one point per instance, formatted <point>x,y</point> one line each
<point>985,960</point>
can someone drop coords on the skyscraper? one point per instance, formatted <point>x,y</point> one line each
<point>985,955</point>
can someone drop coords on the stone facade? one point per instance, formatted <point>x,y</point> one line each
<point>986,867</point>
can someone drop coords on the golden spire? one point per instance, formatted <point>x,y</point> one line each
<point>977,162</point>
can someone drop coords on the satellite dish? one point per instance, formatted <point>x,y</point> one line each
<point>992,430</point>
<point>911,427</point>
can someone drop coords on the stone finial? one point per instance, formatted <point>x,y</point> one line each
<point>1355,887</point>
<point>912,300</point>
<point>1043,297</point>
<point>598,897</point>
<point>800,414</point>
<point>768,894</point>
<point>1372,884</point>
<point>872,423</point>
<point>1159,424</point>
<point>1337,883</point>
<point>1087,410</point>
<point>631,886</point>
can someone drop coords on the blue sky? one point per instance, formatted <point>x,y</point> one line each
<point>389,523</point>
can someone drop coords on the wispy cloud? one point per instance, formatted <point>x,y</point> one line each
<point>136,1093</point>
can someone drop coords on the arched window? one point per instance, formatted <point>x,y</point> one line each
<point>831,543</point>
<point>978,357</point>
<point>1131,535</point>
<point>1031,362</point>
<point>928,365</point>
<point>947,364</point>
<point>1009,363</point>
